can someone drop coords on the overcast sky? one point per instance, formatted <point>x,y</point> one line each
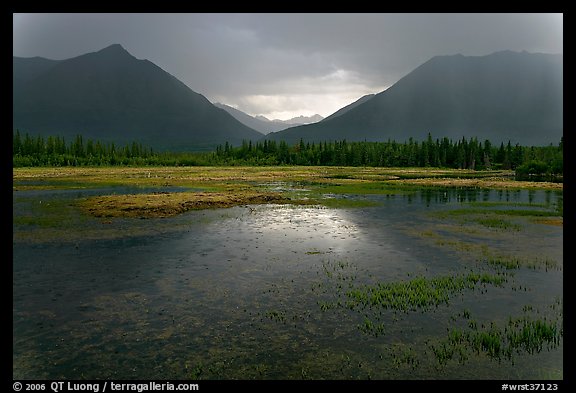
<point>285,65</point>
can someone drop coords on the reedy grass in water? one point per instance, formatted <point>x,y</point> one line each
<point>498,212</point>
<point>498,223</point>
<point>513,262</point>
<point>519,335</point>
<point>418,293</point>
<point>487,254</point>
<point>526,334</point>
<point>504,203</point>
<point>406,356</point>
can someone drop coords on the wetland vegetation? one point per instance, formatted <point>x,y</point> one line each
<point>286,273</point>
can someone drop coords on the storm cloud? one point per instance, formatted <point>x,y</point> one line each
<point>284,65</point>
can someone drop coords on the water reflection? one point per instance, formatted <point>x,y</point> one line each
<point>465,195</point>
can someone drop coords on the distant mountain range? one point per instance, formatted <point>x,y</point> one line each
<point>298,120</point>
<point>110,95</point>
<point>503,96</point>
<point>264,125</point>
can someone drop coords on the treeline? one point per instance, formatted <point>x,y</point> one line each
<point>534,161</point>
<point>30,151</point>
<point>445,153</point>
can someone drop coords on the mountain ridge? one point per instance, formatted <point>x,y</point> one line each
<point>348,107</point>
<point>504,96</point>
<point>263,124</point>
<point>111,95</point>
<point>295,120</point>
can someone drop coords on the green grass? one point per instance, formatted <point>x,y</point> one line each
<point>363,188</point>
<point>451,174</point>
<point>344,203</point>
<point>278,316</point>
<point>504,212</point>
<point>531,335</point>
<point>405,356</point>
<point>560,206</point>
<point>353,180</point>
<point>527,213</point>
<point>516,204</point>
<point>519,335</point>
<point>507,262</point>
<point>418,293</point>
<point>482,252</point>
<point>461,245</point>
<point>498,223</point>
<point>47,214</point>
<point>369,327</point>
<point>513,262</point>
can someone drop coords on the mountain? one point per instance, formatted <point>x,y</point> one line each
<point>299,120</point>
<point>26,69</point>
<point>256,123</point>
<point>516,96</point>
<point>263,124</point>
<point>353,105</point>
<point>110,95</point>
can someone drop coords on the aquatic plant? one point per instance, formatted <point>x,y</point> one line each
<point>519,335</point>
<point>497,212</point>
<point>196,371</point>
<point>279,316</point>
<point>405,356</point>
<point>498,223</point>
<point>370,327</point>
<point>530,335</point>
<point>420,292</point>
<point>514,262</point>
<point>487,341</point>
<point>507,262</point>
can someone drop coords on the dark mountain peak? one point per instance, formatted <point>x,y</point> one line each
<point>462,72</point>
<point>113,58</point>
<point>114,49</point>
<point>502,96</point>
<point>110,95</point>
<point>115,52</point>
<point>454,56</point>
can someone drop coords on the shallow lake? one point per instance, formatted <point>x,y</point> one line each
<point>262,291</point>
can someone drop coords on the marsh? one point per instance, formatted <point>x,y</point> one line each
<point>270,291</point>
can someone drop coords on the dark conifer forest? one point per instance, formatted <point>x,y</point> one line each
<point>533,162</point>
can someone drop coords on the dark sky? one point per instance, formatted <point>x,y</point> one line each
<point>284,65</point>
